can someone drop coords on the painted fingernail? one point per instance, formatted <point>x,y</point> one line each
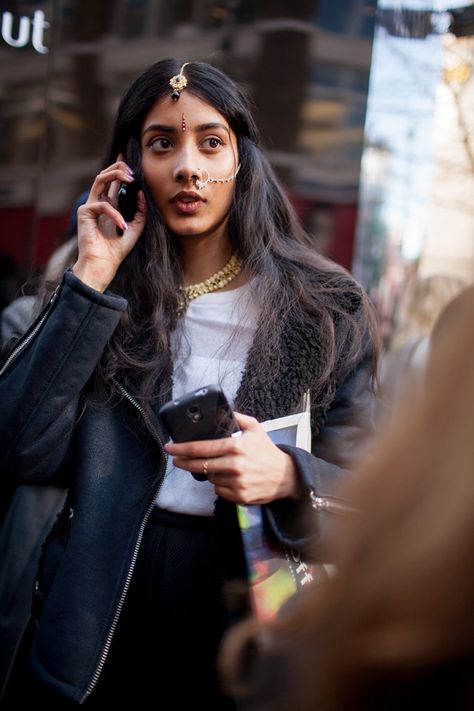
<point>124,225</point>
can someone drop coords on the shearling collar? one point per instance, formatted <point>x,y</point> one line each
<point>291,374</point>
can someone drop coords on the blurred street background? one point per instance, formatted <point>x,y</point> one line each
<point>366,111</point>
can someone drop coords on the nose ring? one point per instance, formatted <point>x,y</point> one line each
<point>201,183</point>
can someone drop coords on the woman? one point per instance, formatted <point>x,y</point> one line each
<point>211,280</point>
<point>394,628</point>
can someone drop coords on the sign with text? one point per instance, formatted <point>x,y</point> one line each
<point>20,31</point>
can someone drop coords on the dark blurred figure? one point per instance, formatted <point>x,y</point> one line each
<point>9,279</point>
<point>394,628</point>
<point>27,514</point>
<point>18,315</point>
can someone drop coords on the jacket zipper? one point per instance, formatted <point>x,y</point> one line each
<point>330,504</point>
<point>106,649</point>
<point>28,337</point>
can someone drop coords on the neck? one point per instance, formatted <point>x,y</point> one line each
<point>202,257</point>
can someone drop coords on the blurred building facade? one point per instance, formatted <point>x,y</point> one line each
<point>65,63</point>
<point>416,216</point>
<point>449,244</point>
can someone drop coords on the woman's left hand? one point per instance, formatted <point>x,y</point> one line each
<point>247,469</point>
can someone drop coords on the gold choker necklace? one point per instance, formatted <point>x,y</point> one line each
<point>213,283</point>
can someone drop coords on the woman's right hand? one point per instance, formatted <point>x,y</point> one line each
<point>101,250</point>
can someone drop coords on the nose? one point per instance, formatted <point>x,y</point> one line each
<point>186,168</point>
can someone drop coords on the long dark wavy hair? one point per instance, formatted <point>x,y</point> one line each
<point>294,281</point>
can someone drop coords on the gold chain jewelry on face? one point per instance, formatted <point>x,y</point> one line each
<point>178,83</point>
<point>213,283</point>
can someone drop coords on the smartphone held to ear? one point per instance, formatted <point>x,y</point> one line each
<point>127,202</point>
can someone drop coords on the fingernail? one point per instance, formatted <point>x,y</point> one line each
<point>124,225</point>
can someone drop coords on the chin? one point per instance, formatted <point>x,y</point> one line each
<point>183,232</point>
<point>189,228</point>
<point>192,230</point>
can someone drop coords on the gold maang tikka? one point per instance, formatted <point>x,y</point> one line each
<point>178,83</point>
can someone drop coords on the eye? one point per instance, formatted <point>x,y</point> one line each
<point>160,144</point>
<point>212,142</point>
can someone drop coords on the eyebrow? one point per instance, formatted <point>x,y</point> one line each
<point>207,126</point>
<point>171,129</point>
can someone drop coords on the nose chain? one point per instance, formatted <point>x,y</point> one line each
<point>200,184</point>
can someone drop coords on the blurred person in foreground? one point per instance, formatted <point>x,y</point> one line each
<point>394,628</point>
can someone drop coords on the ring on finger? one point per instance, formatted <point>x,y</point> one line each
<point>205,466</point>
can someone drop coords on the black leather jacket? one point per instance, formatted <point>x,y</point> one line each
<point>114,473</point>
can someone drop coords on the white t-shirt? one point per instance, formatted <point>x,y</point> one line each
<point>210,346</point>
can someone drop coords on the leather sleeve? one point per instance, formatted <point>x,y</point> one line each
<point>40,385</point>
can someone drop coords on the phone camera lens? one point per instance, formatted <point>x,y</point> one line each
<point>194,413</point>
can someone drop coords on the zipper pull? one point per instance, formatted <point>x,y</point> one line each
<point>67,525</point>
<point>330,504</point>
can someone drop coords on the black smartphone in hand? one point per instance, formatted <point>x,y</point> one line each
<point>201,414</point>
<point>127,202</point>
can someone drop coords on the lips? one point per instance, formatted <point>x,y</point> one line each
<point>187,201</point>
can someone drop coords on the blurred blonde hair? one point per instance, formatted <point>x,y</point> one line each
<point>400,608</point>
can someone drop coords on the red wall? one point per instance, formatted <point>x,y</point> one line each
<point>17,227</point>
